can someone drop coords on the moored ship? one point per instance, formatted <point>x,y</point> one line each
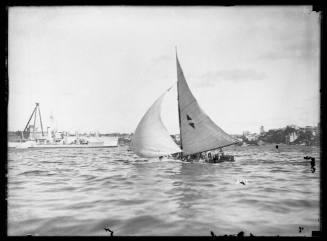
<point>32,138</point>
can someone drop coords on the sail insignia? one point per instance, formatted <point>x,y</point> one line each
<point>192,124</point>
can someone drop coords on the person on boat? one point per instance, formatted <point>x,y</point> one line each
<point>221,153</point>
<point>176,155</point>
<point>196,156</point>
<point>180,156</point>
<point>202,156</point>
<point>215,157</point>
<point>209,159</point>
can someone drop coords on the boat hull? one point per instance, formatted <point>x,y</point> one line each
<point>70,146</point>
<point>34,145</point>
<point>61,146</point>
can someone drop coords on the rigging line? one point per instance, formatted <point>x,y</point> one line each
<point>35,120</point>
<point>179,117</point>
<point>29,119</point>
<point>41,121</point>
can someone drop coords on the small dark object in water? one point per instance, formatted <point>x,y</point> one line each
<point>240,234</point>
<point>300,229</point>
<point>276,146</point>
<point>307,157</point>
<point>108,230</point>
<point>313,163</point>
<point>212,234</point>
<point>242,182</point>
<point>160,157</point>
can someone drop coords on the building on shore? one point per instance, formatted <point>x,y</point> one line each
<point>262,131</point>
<point>250,136</point>
<point>291,137</point>
<point>245,133</point>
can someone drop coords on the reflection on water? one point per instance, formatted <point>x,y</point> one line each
<point>80,191</point>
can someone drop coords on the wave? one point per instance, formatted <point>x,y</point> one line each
<point>79,192</point>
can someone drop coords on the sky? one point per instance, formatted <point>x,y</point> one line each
<point>101,68</point>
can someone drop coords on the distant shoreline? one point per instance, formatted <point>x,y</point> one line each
<point>290,135</point>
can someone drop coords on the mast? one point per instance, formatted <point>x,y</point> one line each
<point>34,121</point>
<point>36,108</point>
<point>30,118</point>
<point>179,113</point>
<point>40,119</point>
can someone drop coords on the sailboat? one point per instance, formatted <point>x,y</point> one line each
<point>198,133</point>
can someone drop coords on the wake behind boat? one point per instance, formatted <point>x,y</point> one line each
<point>32,138</point>
<point>200,137</point>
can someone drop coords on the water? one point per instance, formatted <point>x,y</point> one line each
<point>80,191</point>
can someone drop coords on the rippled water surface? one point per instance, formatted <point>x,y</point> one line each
<point>80,191</point>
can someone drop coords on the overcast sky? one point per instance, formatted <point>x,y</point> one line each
<point>101,68</point>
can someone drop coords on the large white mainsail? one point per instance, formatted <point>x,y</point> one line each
<point>151,138</point>
<point>198,132</point>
